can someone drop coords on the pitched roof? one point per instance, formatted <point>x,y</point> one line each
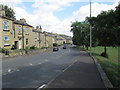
<point>21,23</point>
<point>7,18</point>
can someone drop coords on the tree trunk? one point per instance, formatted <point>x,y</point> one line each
<point>105,50</point>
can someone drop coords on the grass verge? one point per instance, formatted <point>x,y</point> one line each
<point>110,65</point>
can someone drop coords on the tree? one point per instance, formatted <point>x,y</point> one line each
<point>76,33</point>
<point>80,33</point>
<point>117,19</point>
<point>8,11</point>
<point>103,29</point>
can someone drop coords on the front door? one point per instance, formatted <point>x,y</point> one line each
<point>16,44</point>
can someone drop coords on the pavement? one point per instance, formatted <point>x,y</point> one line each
<point>83,73</point>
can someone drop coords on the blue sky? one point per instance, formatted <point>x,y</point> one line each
<point>61,14</point>
<point>56,15</point>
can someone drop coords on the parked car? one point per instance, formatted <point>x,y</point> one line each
<point>65,46</point>
<point>55,48</point>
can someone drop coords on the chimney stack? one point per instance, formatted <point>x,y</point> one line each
<point>22,20</point>
<point>2,13</point>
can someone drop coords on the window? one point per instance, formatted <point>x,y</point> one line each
<point>19,29</point>
<point>6,40</point>
<point>6,25</point>
<point>26,29</point>
<point>27,41</point>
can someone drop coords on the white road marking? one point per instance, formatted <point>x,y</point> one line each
<point>41,87</point>
<point>69,66</point>
<point>9,70</point>
<point>30,64</point>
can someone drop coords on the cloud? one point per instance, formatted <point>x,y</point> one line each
<point>53,5</point>
<point>10,3</point>
<point>44,14</point>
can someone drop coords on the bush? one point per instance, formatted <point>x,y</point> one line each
<point>104,55</point>
<point>54,44</point>
<point>32,47</point>
<point>0,50</point>
<point>3,50</point>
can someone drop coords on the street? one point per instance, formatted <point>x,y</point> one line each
<point>67,68</point>
<point>32,71</point>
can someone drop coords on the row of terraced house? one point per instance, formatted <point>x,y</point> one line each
<point>18,34</point>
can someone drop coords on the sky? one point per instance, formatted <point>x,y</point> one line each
<point>56,16</point>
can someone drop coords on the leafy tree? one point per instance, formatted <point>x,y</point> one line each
<point>103,29</point>
<point>80,33</point>
<point>117,19</point>
<point>76,33</point>
<point>8,11</point>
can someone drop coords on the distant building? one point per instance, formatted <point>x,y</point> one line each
<point>18,34</point>
<point>23,34</point>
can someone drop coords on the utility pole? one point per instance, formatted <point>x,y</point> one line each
<point>90,33</point>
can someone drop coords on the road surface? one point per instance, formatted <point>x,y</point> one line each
<point>34,71</point>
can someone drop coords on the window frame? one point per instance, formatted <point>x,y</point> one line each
<point>6,25</point>
<point>6,41</point>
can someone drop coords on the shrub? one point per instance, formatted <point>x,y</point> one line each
<point>32,47</point>
<point>104,55</point>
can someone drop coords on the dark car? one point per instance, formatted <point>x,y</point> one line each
<point>55,48</point>
<point>64,47</point>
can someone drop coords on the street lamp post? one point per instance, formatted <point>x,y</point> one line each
<point>90,32</point>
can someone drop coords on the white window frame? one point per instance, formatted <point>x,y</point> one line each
<point>26,29</point>
<point>19,28</point>
<point>7,25</point>
<point>6,40</point>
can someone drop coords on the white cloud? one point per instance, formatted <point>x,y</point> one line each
<point>10,3</point>
<point>52,5</point>
<point>44,14</point>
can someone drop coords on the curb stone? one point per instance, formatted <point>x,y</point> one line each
<point>103,75</point>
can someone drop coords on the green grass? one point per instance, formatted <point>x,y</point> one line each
<point>110,65</point>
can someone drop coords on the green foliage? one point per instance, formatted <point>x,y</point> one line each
<point>54,44</point>
<point>80,33</point>
<point>32,47</point>
<point>105,30</point>
<point>0,50</point>
<point>117,19</point>
<point>111,64</point>
<point>8,11</point>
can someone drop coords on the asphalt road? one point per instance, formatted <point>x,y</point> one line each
<point>33,71</point>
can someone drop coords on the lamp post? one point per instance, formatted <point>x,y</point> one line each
<point>90,32</point>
